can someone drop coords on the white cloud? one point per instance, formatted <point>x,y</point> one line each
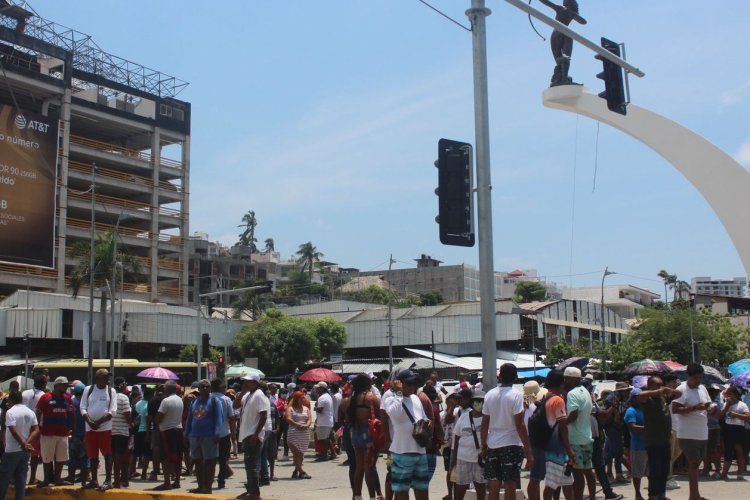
<point>743,154</point>
<point>736,95</point>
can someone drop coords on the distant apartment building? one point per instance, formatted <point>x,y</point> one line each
<point>625,300</point>
<point>706,285</point>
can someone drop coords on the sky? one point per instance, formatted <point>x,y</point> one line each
<point>323,117</point>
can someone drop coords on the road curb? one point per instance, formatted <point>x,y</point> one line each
<point>77,493</point>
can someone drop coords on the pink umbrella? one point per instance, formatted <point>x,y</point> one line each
<point>674,365</point>
<point>158,373</point>
<point>318,375</point>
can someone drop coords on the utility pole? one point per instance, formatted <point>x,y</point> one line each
<point>477,16</point>
<point>390,318</point>
<point>90,371</point>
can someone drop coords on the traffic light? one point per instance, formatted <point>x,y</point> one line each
<point>264,287</point>
<point>614,83</point>
<point>205,344</point>
<point>455,193</point>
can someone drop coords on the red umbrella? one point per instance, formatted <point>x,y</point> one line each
<point>674,365</point>
<point>318,375</point>
<point>158,373</point>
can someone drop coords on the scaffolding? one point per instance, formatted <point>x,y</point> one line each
<point>88,57</point>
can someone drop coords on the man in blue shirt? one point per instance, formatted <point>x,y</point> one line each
<point>228,426</point>
<point>77,459</point>
<point>203,428</point>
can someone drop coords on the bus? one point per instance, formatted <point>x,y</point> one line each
<point>77,369</point>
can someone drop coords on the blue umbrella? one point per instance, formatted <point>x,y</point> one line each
<point>741,379</point>
<point>740,366</point>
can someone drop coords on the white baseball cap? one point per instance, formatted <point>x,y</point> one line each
<point>252,376</point>
<point>572,372</point>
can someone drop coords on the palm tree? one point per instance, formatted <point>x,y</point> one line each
<point>269,245</point>
<point>247,237</point>
<point>669,281</point>
<point>104,262</point>
<point>680,288</point>
<point>308,255</point>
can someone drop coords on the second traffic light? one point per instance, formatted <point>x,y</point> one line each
<point>205,341</point>
<point>614,83</point>
<point>455,193</point>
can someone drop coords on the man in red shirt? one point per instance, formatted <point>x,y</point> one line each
<point>55,412</point>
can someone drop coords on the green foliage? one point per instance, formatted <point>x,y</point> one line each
<point>187,353</point>
<point>374,294</point>
<point>529,291</point>
<point>247,237</point>
<point>663,332</point>
<point>562,350</point>
<point>282,343</point>
<point>308,255</point>
<point>432,298</point>
<point>331,336</point>
<point>618,356</point>
<point>104,262</point>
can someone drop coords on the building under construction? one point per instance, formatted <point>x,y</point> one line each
<point>123,156</point>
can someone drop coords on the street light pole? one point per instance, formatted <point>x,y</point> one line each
<point>112,292</point>
<point>92,249</point>
<point>390,318</point>
<point>477,14</point>
<point>603,336</point>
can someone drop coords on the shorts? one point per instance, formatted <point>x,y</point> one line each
<point>733,435</point>
<point>539,469</point>
<point>119,444</point>
<point>693,449</point>
<point>360,434</point>
<point>638,463</point>
<point>140,447</point>
<point>203,448</point>
<point>555,476</point>
<point>323,433</point>
<point>469,472</point>
<point>504,464</point>
<point>54,448</point>
<point>584,454</point>
<point>409,471</point>
<point>271,443</point>
<point>98,442</point>
<point>172,445</point>
<point>77,454</point>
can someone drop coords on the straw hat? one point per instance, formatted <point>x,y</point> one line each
<point>533,392</point>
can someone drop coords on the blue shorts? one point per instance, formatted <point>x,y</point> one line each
<point>539,469</point>
<point>203,448</point>
<point>409,471</point>
<point>77,453</point>
<point>360,434</point>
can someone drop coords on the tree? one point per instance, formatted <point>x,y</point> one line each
<point>529,291</point>
<point>281,343</point>
<point>432,298</point>
<point>308,255</point>
<point>562,350</point>
<point>187,353</point>
<point>247,237</point>
<point>331,336</point>
<point>669,280</point>
<point>269,245</point>
<point>105,261</point>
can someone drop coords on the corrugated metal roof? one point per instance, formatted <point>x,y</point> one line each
<point>537,306</point>
<point>473,362</point>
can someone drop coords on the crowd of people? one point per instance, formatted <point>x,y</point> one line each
<point>564,432</point>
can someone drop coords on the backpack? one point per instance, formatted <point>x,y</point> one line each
<point>375,427</point>
<point>539,430</point>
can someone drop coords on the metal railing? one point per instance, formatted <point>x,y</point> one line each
<point>118,150</point>
<point>124,203</point>
<point>137,233</point>
<point>30,270</point>
<point>86,168</point>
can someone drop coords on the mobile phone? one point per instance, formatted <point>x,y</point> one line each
<point>568,469</point>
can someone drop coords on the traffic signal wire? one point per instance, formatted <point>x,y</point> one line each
<point>445,15</point>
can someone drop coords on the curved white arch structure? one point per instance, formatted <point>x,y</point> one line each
<point>724,183</point>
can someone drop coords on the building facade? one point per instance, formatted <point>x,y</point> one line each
<point>124,154</point>
<point>706,285</point>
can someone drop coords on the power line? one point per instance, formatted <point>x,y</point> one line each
<point>445,15</point>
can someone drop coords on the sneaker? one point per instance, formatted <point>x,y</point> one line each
<point>91,485</point>
<point>612,496</point>
<point>672,485</point>
<point>106,485</point>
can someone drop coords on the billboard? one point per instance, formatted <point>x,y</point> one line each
<point>28,173</point>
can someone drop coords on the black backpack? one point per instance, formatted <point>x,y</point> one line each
<point>539,430</point>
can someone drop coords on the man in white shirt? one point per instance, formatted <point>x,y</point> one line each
<point>504,438</point>
<point>692,430</point>
<point>98,404</point>
<point>169,420</point>
<point>21,428</point>
<point>324,421</point>
<point>30,398</point>
<point>255,411</point>
<point>409,469</point>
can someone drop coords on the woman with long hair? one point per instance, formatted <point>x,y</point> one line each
<point>299,418</point>
<point>362,406</point>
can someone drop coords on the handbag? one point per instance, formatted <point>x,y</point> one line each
<point>375,427</point>
<point>480,462</point>
<point>421,429</point>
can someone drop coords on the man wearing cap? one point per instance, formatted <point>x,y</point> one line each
<point>324,421</point>
<point>505,439</point>
<point>98,404</point>
<point>409,469</point>
<point>169,421</point>
<point>255,411</point>
<point>21,430</point>
<point>578,407</point>
<point>54,412</point>
<point>203,428</point>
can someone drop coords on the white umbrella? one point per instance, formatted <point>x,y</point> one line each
<point>5,385</point>
<point>242,370</point>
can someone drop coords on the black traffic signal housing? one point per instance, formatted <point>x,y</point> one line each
<point>263,287</point>
<point>205,342</point>
<point>455,193</point>
<point>614,81</point>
